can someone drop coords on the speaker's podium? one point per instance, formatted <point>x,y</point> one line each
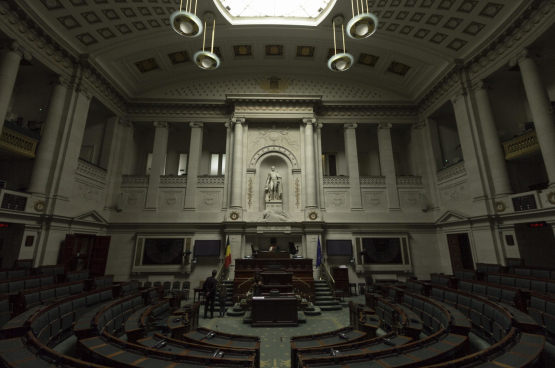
<point>277,305</point>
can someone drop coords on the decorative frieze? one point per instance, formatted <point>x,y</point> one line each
<point>372,180</point>
<point>170,110</point>
<point>451,172</point>
<point>135,180</point>
<point>332,181</point>
<point>210,181</point>
<point>173,181</point>
<point>90,171</point>
<point>409,180</point>
<point>367,111</point>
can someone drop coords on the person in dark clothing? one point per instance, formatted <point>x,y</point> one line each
<point>257,282</point>
<point>209,289</point>
<point>223,298</point>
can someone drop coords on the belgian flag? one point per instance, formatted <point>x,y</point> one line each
<point>227,254</point>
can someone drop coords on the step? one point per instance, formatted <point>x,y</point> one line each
<point>320,282</point>
<point>320,288</point>
<point>325,308</point>
<point>326,302</point>
<point>235,313</point>
<point>316,311</point>
<point>323,293</point>
<point>320,298</point>
<point>247,320</point>
<point>301,317</point>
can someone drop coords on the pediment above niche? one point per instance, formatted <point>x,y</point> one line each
<point>91,217</point>
<point>218,88</point>
<point>451,217</point>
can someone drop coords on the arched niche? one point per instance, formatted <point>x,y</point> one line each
<point>284,164</point>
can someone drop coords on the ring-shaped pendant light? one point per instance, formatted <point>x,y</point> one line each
<point>343,61</point>
<point>207,60</point>
<point>364,24</point>
<point>185,22</point>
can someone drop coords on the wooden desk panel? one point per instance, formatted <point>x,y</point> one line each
<point>272,255</point>
<point>274,312</point>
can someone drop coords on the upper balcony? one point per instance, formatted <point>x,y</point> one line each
<point>19,140</point>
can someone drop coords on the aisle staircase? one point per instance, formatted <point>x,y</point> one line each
<point>324,297</point>
<point>228,302</point>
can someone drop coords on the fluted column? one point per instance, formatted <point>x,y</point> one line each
<point>10,58</point>
<point>492,147</point>
<point>46,151</point>
<point>228,156</point>
<point>319,167</point>
<point>351,151</point>
<point>387,164</point>
<point>540,107</point>
<point>195,151</point>
<point>122,132</point>
<point>310,193</point>
<point>158,164</point>
<point>237,170</point>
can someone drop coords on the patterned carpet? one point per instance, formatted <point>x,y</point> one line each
<point>275,348</point>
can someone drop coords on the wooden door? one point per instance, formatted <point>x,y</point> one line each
<point>99,256</point>
<point>67,252</point>
<point>455,252</point>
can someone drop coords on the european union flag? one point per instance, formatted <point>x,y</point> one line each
<point>319,254</point>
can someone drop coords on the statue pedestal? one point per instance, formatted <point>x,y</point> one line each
<point>274,205</point>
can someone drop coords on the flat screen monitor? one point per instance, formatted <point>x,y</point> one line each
<point>207,248</point>
<point>339,247</point>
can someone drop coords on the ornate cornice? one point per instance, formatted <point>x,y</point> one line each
<point>458,95</point>
<point>14,46</point>
<point>178,109</point>
<point>84,91</point>
<point>62,81</point>
<point>103,87</point>
<point>367,111</point>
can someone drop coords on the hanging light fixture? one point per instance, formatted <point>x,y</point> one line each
<point>186,23</point>
<point>342,61</point>
<point>207,59</point>
<point>362,25</point>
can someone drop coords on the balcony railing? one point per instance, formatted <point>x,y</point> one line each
<point>521,146</point>
<point>91,171</point>
<point>336,181</point>
<point>18,142</point>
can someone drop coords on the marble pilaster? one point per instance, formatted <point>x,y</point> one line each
<point>195,151</point>
<point>387,164</point>
<point>310,192</point>
<point>540,106</point>
<point>495,156</point>
<point>351,152</point>
<point>45,159</point>
<point>158,164</point>
<point>237,170</point>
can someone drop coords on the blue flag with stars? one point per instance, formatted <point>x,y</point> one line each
<point>319,254</point>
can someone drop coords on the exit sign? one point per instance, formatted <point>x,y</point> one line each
<point>538,224</point>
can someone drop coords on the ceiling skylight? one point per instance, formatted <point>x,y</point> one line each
<point>301,12</point>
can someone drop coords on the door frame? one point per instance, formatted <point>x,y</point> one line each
<point>470,239</point>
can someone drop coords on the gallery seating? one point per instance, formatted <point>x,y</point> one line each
<point>13,285</point>
<point>44,295</point>
<point>393,315</point>
<point>542,310</point>
<point>536,284</point>
<point>14,273</point>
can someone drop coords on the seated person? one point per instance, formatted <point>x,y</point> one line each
<point>272,248</point>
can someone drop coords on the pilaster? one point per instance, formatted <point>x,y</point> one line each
<point>158,164</point>
<point>351,152</point>
<point>387,164</point>
<point>195,151</point>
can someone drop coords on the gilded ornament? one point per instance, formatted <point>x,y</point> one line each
<point>500,206</point>
<point>297,193</point>
<point>234,215</point>
<point>313,215</point>
<point>39,206</point>
<point>551,197</point>
<point>249,192</point>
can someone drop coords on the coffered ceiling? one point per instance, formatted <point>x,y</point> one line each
<point>133,45</point>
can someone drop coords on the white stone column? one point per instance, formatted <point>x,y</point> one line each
<point>195,150</point>
<point>228,155</point>
<point>427,164</point>
<point>158,164</point>
<point>122,133</point>
<point>495,157</point>
<point>10,58</point>
<point>351,151</point>
<point>45,158</point>
<point>540,106</point>
<point>310,193</point>
<point>319,167</point>
<point>387,164</point>
<point>109,142</point>
<point>71,144</point>
<point>237,171</point>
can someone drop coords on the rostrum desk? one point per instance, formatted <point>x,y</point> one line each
<point>274,312</point>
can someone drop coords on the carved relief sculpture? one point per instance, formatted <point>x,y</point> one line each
<point>249,192</point>
<point>297,193</point>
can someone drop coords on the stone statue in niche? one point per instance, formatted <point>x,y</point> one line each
<point>274,191</point>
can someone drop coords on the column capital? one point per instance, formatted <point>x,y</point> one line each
<point>14,46</point>
<point>458,95</point>
<point>237,120</point>
<point>309,121</point>
<point>480,85</point>
<point>125,123</point>
<point>62,81</point>
<point>350,126</point>
<point>522,54</point>
<point>228,124</point>
<point>161,124</point>
<point>417,126</point>
<point>196,124</point>
<point>384,126</point>
<point>84,91</point>
<point>319,125</point>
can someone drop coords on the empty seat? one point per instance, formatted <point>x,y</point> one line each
<point>46,281</point>
<point>523,272</point>
<point>62,291</point>
<point>437,294</point>
<point>105,295</point>
<point>508,281</point>
<point>32,300</point>
<point>32,283</point>
<point>539,286</point>
<point>476,311</point>
<point>66,315</point>
<point>541,274</point>
<point>508,296</point>
<point>451,298</point>
<point>495,279</point>
<point>16,286</point>
<point>148,284</point>
<point>494,293</point>
<point>522,283</point>
<point>92,299</point>
<point>480,289</point>
<point>79,307</point>
<point>465,286</point>
<point>76,289</point>
<point>47,296</point>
